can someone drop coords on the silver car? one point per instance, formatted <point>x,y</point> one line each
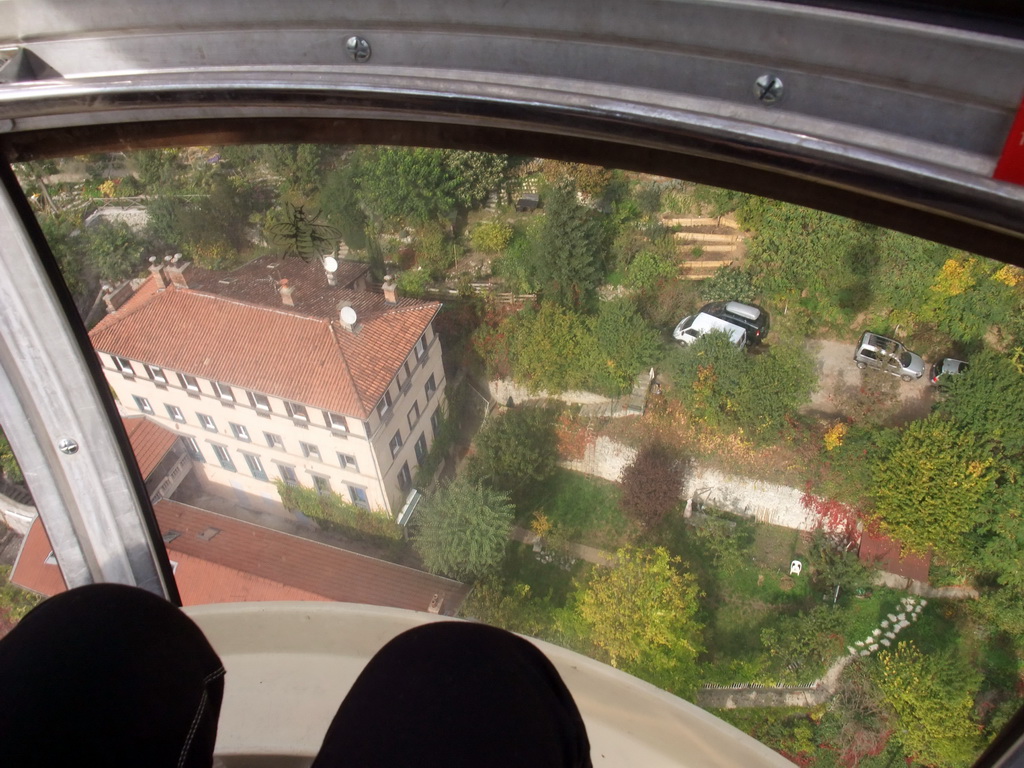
<point>888,355</point>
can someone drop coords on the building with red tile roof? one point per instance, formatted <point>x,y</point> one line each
<point>281,370</point>
<point>219,559</point>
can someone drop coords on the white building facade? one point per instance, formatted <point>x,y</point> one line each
<point>270,380</point>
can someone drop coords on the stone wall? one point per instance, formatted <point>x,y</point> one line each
<point>765,502</point>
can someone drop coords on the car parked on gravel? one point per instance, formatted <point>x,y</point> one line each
<point>947,367</point>
<point>751,318</point>
<point>889,355</point>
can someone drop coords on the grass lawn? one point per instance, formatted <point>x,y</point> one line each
<point>585,508</point>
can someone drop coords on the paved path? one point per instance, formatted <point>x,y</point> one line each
<point>579,551</point>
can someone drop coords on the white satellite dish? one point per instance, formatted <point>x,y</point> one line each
<point>348,316</point>
<point>330,264</point>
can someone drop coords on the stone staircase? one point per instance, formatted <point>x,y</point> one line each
<point>705,244</point>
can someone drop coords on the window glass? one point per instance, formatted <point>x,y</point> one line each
<point>790,516</point>
<point>296,411</point>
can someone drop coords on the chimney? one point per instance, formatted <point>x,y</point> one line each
<point>157,272</point>
<point>390,289</point>
<point>175,271</point>
<point>286,293</point>
<point>115,298</point>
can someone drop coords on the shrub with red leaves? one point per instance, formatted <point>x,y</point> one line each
<point>652,484</point>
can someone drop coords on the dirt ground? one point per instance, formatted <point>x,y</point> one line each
<point>845,391</point>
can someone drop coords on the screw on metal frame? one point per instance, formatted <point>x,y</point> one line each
<point>68,446</point>
<point>768,89</point>
<point>358,48</point>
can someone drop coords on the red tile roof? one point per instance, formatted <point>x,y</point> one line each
<point>300,353</point>
<point>887,554</point>
<point>150,442</point>
<point>247,562</point>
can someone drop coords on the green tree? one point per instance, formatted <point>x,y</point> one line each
<point>774,385</point>
<point>550,347</point>
<point>568,254</point>
<point>461,531</point>
<point>491,236</point>
<point>648,269</point>
<point>706,377</point>
<point>516,449</point>
<point>339,199</point>
<point>626,346</point>
<point>642,613</point>
<point>115,251</point>
<point>932,697</point>
<point>932,485</point>
<point>988,400</point>
<point>801,648</point>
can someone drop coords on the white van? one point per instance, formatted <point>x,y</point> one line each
<point>693,327</point>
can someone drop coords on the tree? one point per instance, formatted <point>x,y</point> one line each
<point>568,251</point>
<point>115,251</point>
<point>652,484</point>
<point>932,697</point>
<point>801,647</point>
<point>774,385</point>
<point>462,530</point>
<point>706,377</point>
<point>491,236</point>
<point>932,485</point>
<point>550,348</point>
<point>988,400</point>
<point>642,611</point>
<point>626,346</point>
<point>516,448</point>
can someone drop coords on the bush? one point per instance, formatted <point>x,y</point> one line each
<point>461,531</point>
<point>648,270</point>
<point>332,508</point>
<point>492,236</point>
<point>652,484</point>
<point>728,284</point>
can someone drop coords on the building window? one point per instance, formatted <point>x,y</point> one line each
<point>188,383</point>
<point>223,457</point>
<point>156,374</point>
<point>396,443</point>
<point>288,474</point>
<point>310,451</point>
<point>404,477</point>
<point>124,366</point>
<point>322,484</point>
<point>143,404</point>
<point>336,421</point>
<point>358,496</point>
<point>274,441</point>
<point>192,449</point>
<point>175,413</point>
<point>255,466</point>
<point>348,461</point>
<point>207,422</point>
<point>435,420</point>
<point>414,414</point>
<point>421,449</point>
<point>223,391</point>
<point>385,403</point>
<point>259,402</point>
<point>296,411</point>
<point>420,349</point>
<point>240,432</point>
<point>430,387</point>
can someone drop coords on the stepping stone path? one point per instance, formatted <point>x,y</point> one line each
<point>889,627</point>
